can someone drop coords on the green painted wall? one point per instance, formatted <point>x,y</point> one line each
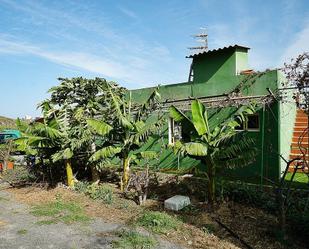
<point>215,74</point>
<point>287,115</point>
<point>241,60</point>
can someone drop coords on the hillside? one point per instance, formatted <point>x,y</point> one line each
<point>6,123</point>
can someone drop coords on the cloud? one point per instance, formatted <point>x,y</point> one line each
<point>137,70</point>
<point>128,12</point>
<point>80,37</point>
<point>298,45</point>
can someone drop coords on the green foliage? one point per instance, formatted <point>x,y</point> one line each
<point>61,211</point>
<point>100,192</point>
<point>216,146</point>
<point>159,222</point>
<point>81,187</point>
<point>133,240</point>
<point>132,125</point>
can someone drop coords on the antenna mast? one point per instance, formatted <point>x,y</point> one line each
<point>202,38</point>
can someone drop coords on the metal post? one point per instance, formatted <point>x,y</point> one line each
<point>262,146</point>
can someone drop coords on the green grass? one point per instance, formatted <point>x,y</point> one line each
<point>60,211</point>
<point>158,222</point>
<point>22,231</point>
<point>300,180</point>
<point>133,240</point>
<point>299,177</point>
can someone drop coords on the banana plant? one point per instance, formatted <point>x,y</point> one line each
<point>128,132</point>
<point>214,146</point>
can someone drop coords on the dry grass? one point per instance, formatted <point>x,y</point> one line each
<point>198,229</point>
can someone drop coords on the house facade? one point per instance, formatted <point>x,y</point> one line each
<point>222,80</point>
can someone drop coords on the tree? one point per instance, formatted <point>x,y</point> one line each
<point>297,73</point>
<point>128,132</point>
<point>72,103</point>
<point>41,139</point>
<point>215,146</point>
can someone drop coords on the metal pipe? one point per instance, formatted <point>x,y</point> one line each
<point>262,145</point>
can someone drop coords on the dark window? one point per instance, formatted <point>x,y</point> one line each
<point>253,123</point>
<point>174,131</point>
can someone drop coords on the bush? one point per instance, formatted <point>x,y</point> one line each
<point>95,191</point>
<point>158,222</point>
<point>81,187</point>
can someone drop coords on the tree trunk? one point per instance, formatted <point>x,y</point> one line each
<point>95,174</point>
<point>70,177</point>
<point>126,172</point>
<point>211,183</point>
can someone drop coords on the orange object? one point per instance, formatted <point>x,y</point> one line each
<point>10,165</point>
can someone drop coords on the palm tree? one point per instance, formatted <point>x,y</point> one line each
<point>128,132</point>
<point>215,146</point>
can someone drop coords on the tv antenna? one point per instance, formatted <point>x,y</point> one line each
<point>202,38</point>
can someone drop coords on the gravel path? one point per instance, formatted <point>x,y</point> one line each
<point>18,230</point>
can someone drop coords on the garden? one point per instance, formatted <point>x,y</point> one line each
<point>85,159</point>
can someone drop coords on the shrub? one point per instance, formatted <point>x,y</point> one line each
<point>159,222</point>
<point>100,192</point>
<point>95,191</point>
<point>81,187</point>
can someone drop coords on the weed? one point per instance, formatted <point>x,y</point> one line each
<point>158,222</point>
<point>22,232</point>
<point>208,228</point>
<point>95,191</point>
<point>100,192</point>
<point>81,187</point>
<point>60,211</point>
<point>133,240</point>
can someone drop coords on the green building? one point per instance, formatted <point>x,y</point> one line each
<point>221,79</point>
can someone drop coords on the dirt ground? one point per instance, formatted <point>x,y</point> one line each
<point>200,229</point>
<point>22,230</point>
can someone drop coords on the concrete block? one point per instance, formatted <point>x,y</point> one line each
<point>177,202</point>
